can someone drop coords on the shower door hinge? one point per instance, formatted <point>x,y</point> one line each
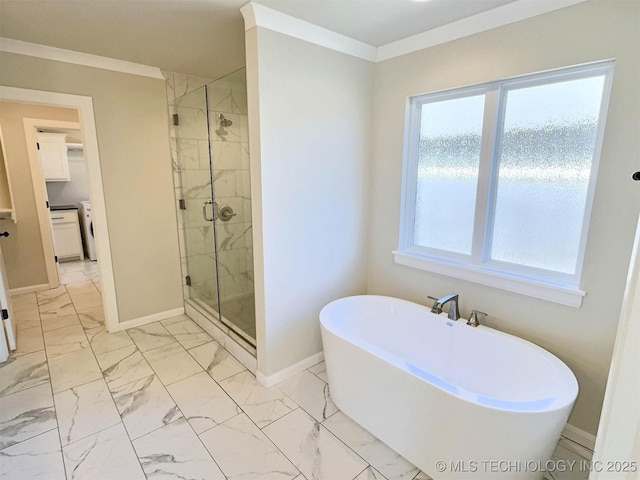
<point>176,119</point>
<point>5,314</point>
<point>56,258</point>
<point>182,204</point>
<point>38,145</point>
<point>187,280</point>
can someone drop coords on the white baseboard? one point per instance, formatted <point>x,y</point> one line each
<point>288,372</point>
<point>32,288</point>
<point>137,322</point>
<point>580,442</point>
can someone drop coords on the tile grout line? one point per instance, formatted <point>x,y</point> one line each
<point>115,404</point>
<point>241,410</point>
<point>176,404</point>
<point>321,424</point>
<point>55,410</point>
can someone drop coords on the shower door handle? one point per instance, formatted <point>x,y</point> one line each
<point>204,210</point>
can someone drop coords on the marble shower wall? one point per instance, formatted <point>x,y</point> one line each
<point>232,184</point>
<point>230,151</point>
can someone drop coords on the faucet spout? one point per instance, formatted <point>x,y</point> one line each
<point>452,298</point>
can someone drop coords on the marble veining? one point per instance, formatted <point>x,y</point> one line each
<point>216,360</point>
<point>85,410</point>
<point>145,405</point>
<point>106,455</point>
<point>63,317</point>
<point>103,341</point>
<point>26,414</point>
<point>25,371</point>
<point>172,363</point>
<point>311,393</point>
<point>150,336</point>
<point>73,369</point>
<point>92,317</point>
<point>391,464</point>
<point>38,457</point>
<point>203,402</point>
<point>62,341</point>
<point>313,449</point>
<point>123,366</point>
<point>187,332</point>
<point>262,405</point>
<point>245,453</point>
<point>175,452</point>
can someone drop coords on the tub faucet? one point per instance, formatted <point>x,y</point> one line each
<point>454,313</point>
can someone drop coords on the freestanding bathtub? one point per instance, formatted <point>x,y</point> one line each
<point>456,401</point>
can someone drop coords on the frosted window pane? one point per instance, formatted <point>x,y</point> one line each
<point>448,158</point>
<point>544,165</point>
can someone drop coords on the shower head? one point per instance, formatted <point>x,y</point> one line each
<point>224,122</point>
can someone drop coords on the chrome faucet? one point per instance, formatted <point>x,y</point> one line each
<point>454,313</point>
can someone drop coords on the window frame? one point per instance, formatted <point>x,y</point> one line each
<point>478,266</point>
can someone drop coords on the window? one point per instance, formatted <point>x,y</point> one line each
<point>499,180</point>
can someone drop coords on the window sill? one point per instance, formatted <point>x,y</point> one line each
<point>569,295</point>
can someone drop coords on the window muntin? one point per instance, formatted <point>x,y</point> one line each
<point>533,181</point>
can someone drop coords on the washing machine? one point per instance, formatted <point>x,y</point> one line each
<point>87,230</point>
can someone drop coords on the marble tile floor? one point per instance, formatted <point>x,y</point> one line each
<point>164,401</point>
<point>78,271</point>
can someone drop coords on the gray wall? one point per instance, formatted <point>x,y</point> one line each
<point>309,130</point>
<point>595,30</point>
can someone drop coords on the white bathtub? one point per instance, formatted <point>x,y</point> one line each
<point>484,403</point>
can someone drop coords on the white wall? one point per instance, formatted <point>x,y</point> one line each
<point>594,30</point>
<point>309,126</point>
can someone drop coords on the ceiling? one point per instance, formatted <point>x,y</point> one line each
<point>206,37</point>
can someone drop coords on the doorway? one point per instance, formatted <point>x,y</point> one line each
<point>84,107</point>
<point>61,152</point>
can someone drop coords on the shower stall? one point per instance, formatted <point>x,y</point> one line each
<point>211,154</point>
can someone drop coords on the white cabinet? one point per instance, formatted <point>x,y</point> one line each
<point>67,242</point>
<point>52,148</point>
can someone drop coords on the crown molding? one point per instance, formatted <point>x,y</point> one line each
<point>258,15</point>
<point>497,17</point>
<point>78,58</point>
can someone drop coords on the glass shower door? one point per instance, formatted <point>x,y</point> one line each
<point>192,148</point>
<point>232,193</point>
<point>212,151</point>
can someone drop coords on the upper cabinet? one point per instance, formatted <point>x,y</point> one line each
<point>52,149</point>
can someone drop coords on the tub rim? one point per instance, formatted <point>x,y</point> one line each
<point>565,397</point>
